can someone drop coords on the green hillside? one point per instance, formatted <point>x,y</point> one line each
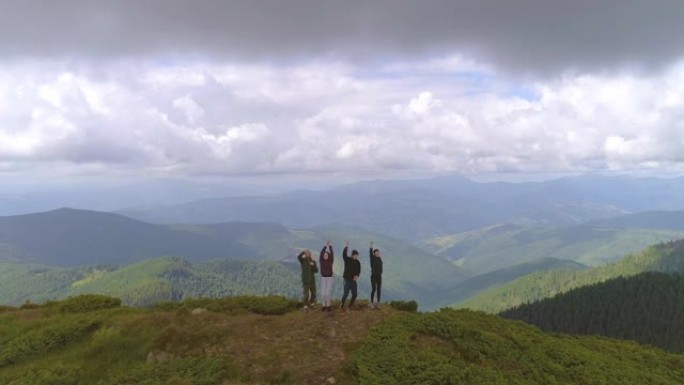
<point>647,308</point>
<point>144,283</point>
<point>252,340</point>
<point>664,257</point>
<point>503,246</point>
<point>175,278</point>
<point>472,286</point>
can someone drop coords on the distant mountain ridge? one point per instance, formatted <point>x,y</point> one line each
<point>77,238</point>
<point>68,237</point>
<point>592,243</point>
<point>419,209</point>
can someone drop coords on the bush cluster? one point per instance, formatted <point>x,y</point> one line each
<point>267,305</point>
<point>407,306</point>
<point>87,303</point>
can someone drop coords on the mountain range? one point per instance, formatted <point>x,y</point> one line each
<point>417,210</point>
<point>592,243</point>
<point>68,238</point>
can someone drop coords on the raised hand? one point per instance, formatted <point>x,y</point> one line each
<point>372,244</point>
<point>327,243</point>
<point>346,243</point>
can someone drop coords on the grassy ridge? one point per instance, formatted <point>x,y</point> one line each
<point>238,340</point>
<point>261,340</point>
<point>464,347</point>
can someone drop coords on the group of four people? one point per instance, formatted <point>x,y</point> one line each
<point>351,274</point>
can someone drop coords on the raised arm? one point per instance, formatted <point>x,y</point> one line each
<point>320,257</point>
<point>300,257</point>
<point>370,254</point>
<point>330,251</point>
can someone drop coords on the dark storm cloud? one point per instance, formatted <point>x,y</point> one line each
<point>521,35</point>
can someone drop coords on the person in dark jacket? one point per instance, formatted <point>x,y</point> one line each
<point>309,270</point>
<point>376,275</point>
<point>326,263</point>
<point>352,271</point>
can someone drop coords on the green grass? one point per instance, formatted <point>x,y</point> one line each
<point>465,347</point>
<point>238,340</point>
<point>234,342</point>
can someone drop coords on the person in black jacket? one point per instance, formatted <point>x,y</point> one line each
<point>376,275</point>
<point>352,271</point>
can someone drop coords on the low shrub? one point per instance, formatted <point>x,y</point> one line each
<point>38,341</point>
<point>266,305</point>
<point>87,303</point>
<point>4,308</point>
<point>29,305</point>
<point>407,306</point>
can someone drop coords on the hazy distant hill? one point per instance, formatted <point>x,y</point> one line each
<point>665,257</point>
<point>593,243</point>
<point>667,220</point>
<point>647,308</point>
<point>410,209</point>
<point>69,237</point>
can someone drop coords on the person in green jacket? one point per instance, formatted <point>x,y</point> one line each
<point>309,270</point>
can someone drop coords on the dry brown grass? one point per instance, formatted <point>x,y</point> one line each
<point>309,347</point>
<point>312,346</point>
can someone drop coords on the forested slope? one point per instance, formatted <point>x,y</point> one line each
<point>648,308</point>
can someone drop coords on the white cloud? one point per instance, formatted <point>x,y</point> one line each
<point>327,117</point>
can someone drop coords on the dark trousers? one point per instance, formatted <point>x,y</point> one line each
<point>309,289</point>
<point>376,286</point>
<point>349,285</point>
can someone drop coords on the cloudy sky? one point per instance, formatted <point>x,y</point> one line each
<point>351,89</point>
